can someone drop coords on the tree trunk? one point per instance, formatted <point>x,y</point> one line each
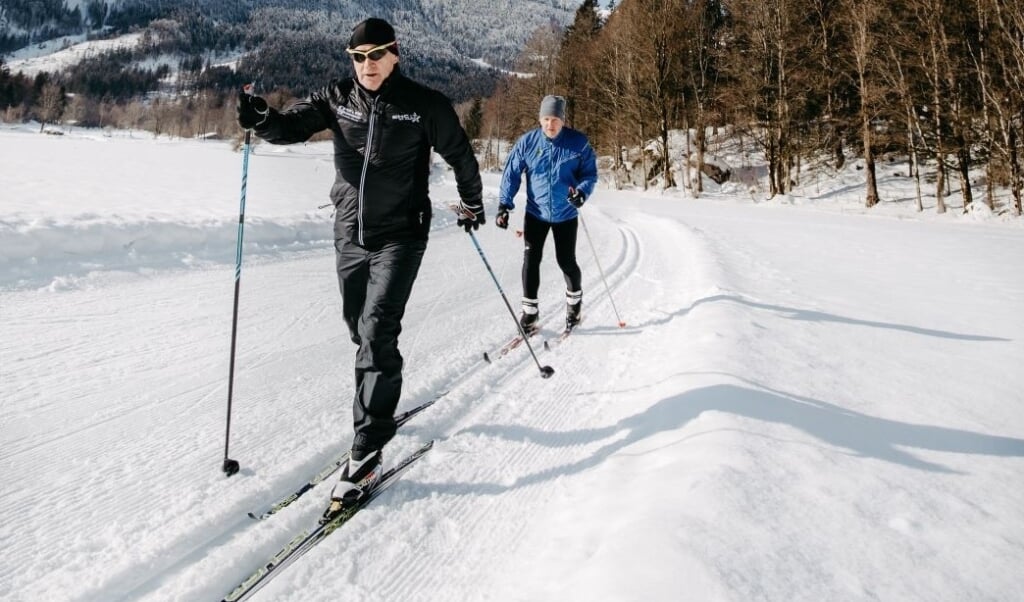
<point>773,165</point>
<point>643,156</point>
<point>669,180</point>
<point>963,156</point>
<point>940,184</point>
<point>871,192</point>
<point>686,158</point>
<point>702,142</point>
<point>915,170</point>
<point>1014,171</point>
<point>940,160</point>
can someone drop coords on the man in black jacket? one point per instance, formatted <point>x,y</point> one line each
<point>384,126</point>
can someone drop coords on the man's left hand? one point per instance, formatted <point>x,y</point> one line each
<point>576,197</point>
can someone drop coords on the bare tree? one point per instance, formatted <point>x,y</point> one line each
<point>610,87</point>
<point>999,63</point>
<point>932,56</point>
<point>899,81</point>
<point>51,104</point>
<point>1010,18</point>
<point>538,65</point>
<point>761,58</point>
<point>575,63</point>
<point>702,52</point>
<point>862,17</point>
<point>82,111</point>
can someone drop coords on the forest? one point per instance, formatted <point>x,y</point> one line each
<point>808,82</point>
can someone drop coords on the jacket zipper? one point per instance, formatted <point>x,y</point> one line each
<point>552,177</point>
<point>368,149</point>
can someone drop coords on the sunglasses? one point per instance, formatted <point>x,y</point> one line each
<point>374,54</point>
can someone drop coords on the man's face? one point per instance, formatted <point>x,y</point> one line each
<point>551,126</point>
<point>372,73</point>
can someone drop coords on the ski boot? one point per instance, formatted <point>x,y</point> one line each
<point>573,309</point>
<point>361,473</point>
<point>529,320</point>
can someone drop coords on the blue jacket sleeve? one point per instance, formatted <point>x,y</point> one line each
<point>512,176</point>
<point>586,175</point>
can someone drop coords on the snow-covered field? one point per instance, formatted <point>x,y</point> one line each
<point>809,401</point>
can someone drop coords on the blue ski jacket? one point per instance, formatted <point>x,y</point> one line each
<point>552,165</point>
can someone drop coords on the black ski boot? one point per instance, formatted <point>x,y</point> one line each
<point>361,473</point>
<point>573,309</point>
<point>530,317</point>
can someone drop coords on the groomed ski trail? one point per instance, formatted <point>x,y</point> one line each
<point>499,467</point>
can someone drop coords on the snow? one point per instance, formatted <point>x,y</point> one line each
<point>483,63</point>
<point>59,54</point>
<point>809,401</point>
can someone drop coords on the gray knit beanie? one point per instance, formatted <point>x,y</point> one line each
<point>552,106</point>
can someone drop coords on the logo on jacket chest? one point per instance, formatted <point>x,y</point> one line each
<point>410,117</point>
<point>349,114</point>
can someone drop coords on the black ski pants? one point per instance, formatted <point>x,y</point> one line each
<point>535,232</point>
<point>375,285</point>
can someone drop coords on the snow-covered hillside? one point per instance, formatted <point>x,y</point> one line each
<point>809,401</point>
<point>57,55</point>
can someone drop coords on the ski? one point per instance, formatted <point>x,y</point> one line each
<point>548,344</point>
<point>505,349</point>
<point>306,540</point>
<point>333,467</point>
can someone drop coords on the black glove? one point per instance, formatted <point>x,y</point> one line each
<point>576,198</point>
<point>252,110</point>
<point>471,217</point>
<point>501,220</point>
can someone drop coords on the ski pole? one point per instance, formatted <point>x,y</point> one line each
<point>545,371</point>
<point>230,466</point>
<point>599,269</point>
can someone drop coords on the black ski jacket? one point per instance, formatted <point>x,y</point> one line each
<point>382,147</point>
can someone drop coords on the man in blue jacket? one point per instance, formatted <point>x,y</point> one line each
<point>561,173</point>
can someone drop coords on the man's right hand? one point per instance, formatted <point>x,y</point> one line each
<point>252,110</point>
<point>471,216</point>
<point>501,219</point>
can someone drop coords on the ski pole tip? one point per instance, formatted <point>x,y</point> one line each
<point>230,466</point>
<point>546,372</point>
<point>622,324</point>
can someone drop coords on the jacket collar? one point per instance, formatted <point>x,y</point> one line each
<point>385,86</point>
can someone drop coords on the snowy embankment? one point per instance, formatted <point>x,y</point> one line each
<point>804,405</point>
<point>164,204</point>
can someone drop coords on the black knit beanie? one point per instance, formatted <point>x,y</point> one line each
<point>373,31</point>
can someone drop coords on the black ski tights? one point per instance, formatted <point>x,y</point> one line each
<point>535,231</point>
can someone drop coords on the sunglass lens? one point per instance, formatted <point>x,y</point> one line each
<point>376,55</point>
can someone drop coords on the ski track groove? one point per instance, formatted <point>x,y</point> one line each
<point>514,503</point>
<point>473,513</point>
<point>460,508</point>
